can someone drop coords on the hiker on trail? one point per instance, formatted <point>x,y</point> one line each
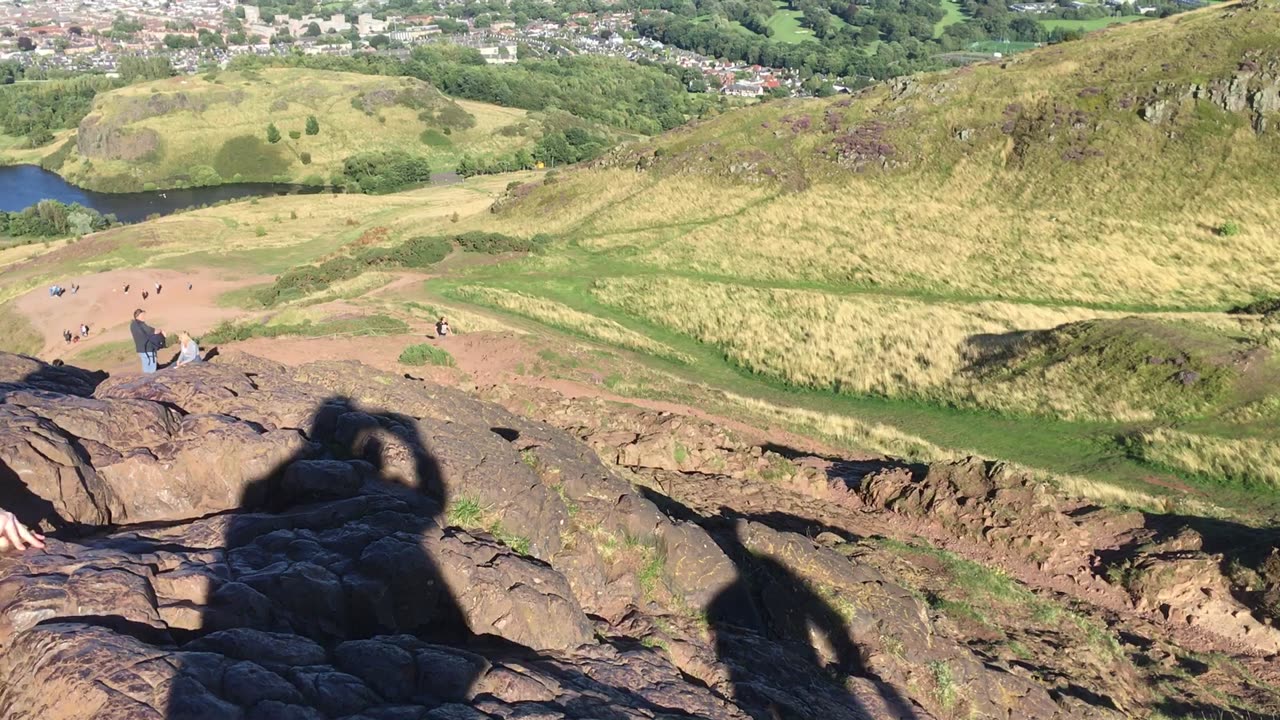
<point>442,327</point>
<point>84,330</point>
<point>66,335</point>
<point>144,294</point>
<point>188,287</point>
<point>189,351</point>
<point>158,286</point>
<point>74,288</point>
<point>16,536</point>
<point>126,288</point>
<point>146,340</point>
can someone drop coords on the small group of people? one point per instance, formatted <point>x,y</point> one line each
<point>158,287</point>
<point>148,341</point>
<point>59,291</point>
<point>83,334</point>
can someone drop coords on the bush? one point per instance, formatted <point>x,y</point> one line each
<point>305,158</point>
<point>426,354</point>
<point>385,171</point>
<point>313,125</point>
<point>295,134</point>
<point>260,231</point>
<point>204,176</point>
<point>1228,229</point>
<point>273,134</point>
<point>495,243</point>
<point>422,251</point>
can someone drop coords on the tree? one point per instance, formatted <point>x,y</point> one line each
<point>379,41</point>
<point>178,42</point>
<point>26,44</point>
<point>273,134</point>
<point>313,125</point>
<point>133,68</point>
<point>313,30</point>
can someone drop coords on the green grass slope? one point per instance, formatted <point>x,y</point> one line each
<point>179,131</point>
<point>1055,237</point>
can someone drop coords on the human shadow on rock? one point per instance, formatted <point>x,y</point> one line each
<point>768,626</point>
<point>336,602</point>
<point>331,604</point>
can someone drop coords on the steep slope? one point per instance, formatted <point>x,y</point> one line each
<point>1056,235</point>
<point>214,128</point>
<point>1090,172</point>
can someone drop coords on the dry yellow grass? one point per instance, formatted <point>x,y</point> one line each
<point>896,347</point>
<point>562,316</point>
<point>1251,461</point>
<point>941,241</point>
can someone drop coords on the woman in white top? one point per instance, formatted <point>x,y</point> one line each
<point>189,352</point>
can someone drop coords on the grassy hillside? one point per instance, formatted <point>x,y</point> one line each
<point>1055,238</point>
<point>198,129</point>
<point>1030,260</point>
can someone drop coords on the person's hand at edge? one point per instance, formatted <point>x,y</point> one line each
<point>13,534</point>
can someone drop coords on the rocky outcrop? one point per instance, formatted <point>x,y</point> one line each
<point>245,540</point>
<point>108,141</point>
<point>1253,89</point>
<point>1161,563</point>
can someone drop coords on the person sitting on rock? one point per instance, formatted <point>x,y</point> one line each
<point>16,536</point>
<point>442,327</point>
<point>189,351</point>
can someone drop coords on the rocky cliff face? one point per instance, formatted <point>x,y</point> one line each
<point>245,540</point>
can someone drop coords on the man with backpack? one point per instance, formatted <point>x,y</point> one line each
<point>146,340</point>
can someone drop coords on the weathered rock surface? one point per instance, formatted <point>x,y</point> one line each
<point>1161,564</point>
<point>245,540</point>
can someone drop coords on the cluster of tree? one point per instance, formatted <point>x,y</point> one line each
<point>180,42</point>
<point>901,52</point>
<point>137,69</point>
<point>50,218</point>
<point>35,110</point>
<point>383,172</point>
<point>610,91</point>
<point>556,147</point>
<point>11,71</point>
<point>519,160</point>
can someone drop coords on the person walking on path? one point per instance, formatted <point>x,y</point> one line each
<point>66,335</point>
<point>146,340</point>
<point>442,327</point>
<point>189,351</point>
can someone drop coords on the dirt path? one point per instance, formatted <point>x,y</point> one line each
<point>485,358</point>
<point>103,304</point>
